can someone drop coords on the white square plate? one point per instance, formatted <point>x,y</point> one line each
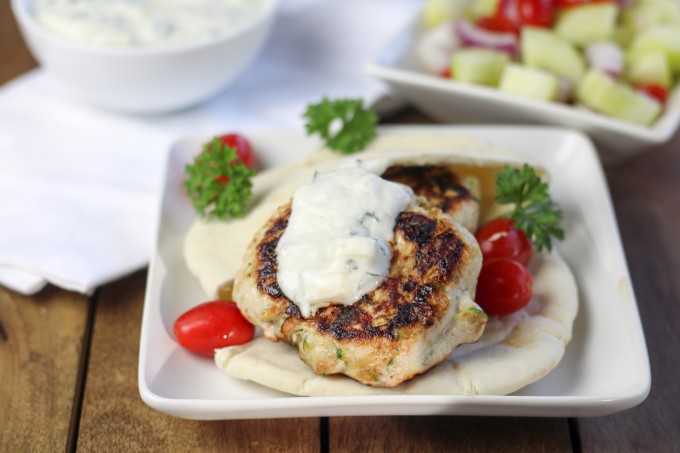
<point>605,368</point>
<point>456,102</point>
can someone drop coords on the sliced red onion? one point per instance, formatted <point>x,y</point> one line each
<point>471,35</point>
<point>435,47</point>
<point>606,57</point>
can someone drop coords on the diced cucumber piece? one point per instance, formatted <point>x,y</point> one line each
<point>480,66</point>
<point>622,36</point>
<point>529,82</point>
<point>436,12</point>
<point>582,25</point>
<point>543,49</point>
<point>651,68</point>
<point>664,39</point>
<point>642,15</point>
<point>609,97</point>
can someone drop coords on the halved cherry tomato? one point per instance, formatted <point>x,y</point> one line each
<point>446,73</point>
<point>212,325</point>
<point>503,287</point>
<point>243,149</point>
<point>538,13</point>
<point>504,20</point>
<point>500,239</point>
<point>497,23</point>
<point>656,91</point>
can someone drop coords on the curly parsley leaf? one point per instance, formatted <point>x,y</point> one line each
<point>217,182</point>
<point>534,211</point>
<point>344,124</point>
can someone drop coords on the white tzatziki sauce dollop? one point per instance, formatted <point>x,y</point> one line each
<point>134,23</point>
<point>336,247</point>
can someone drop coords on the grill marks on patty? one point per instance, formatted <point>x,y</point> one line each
<point>439,184</point>
<point>438,252</point>
<point>379,314</point>
<point>266,257</point>
<point>425,257</point>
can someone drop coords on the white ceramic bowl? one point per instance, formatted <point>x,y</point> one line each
<point>145,79</point>
<point>455,102</point>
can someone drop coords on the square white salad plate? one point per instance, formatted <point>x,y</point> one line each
<point>605,368</point>
<point>449,101</point>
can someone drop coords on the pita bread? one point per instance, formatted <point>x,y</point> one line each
<point>514,351</point>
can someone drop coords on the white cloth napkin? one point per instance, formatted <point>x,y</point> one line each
<point>79,187</point>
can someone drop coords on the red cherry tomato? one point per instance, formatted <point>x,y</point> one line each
<point>212,325</point>
<point>504,20</point>
<point>656,91</point>
<point>503,287</point>
<point>243,149</point>
<point>497,23</point>
<point>446,73</point>
<point>500,239</point>
<point>538,13</point>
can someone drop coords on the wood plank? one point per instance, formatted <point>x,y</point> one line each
<point>14,55</point>
<point>41,339</point>
<point>114,415</point>
<point>645,192</point>
<point>445,434</point>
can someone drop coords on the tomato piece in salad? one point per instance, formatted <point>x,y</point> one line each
<point>537,13</point>
<point>497,23</point>
<point>656,91</point>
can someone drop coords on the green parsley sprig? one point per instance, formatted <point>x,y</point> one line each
<point>217,182</point>
<point>534,211</point>
<point>344,124</point>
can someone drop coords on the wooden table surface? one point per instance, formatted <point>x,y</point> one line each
<point>68,363</point>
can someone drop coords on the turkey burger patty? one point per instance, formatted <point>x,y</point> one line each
<point>414,315</point>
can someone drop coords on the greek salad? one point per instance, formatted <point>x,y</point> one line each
<point>620,58</point>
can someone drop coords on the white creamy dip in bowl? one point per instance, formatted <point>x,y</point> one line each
<point>145,56</point>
